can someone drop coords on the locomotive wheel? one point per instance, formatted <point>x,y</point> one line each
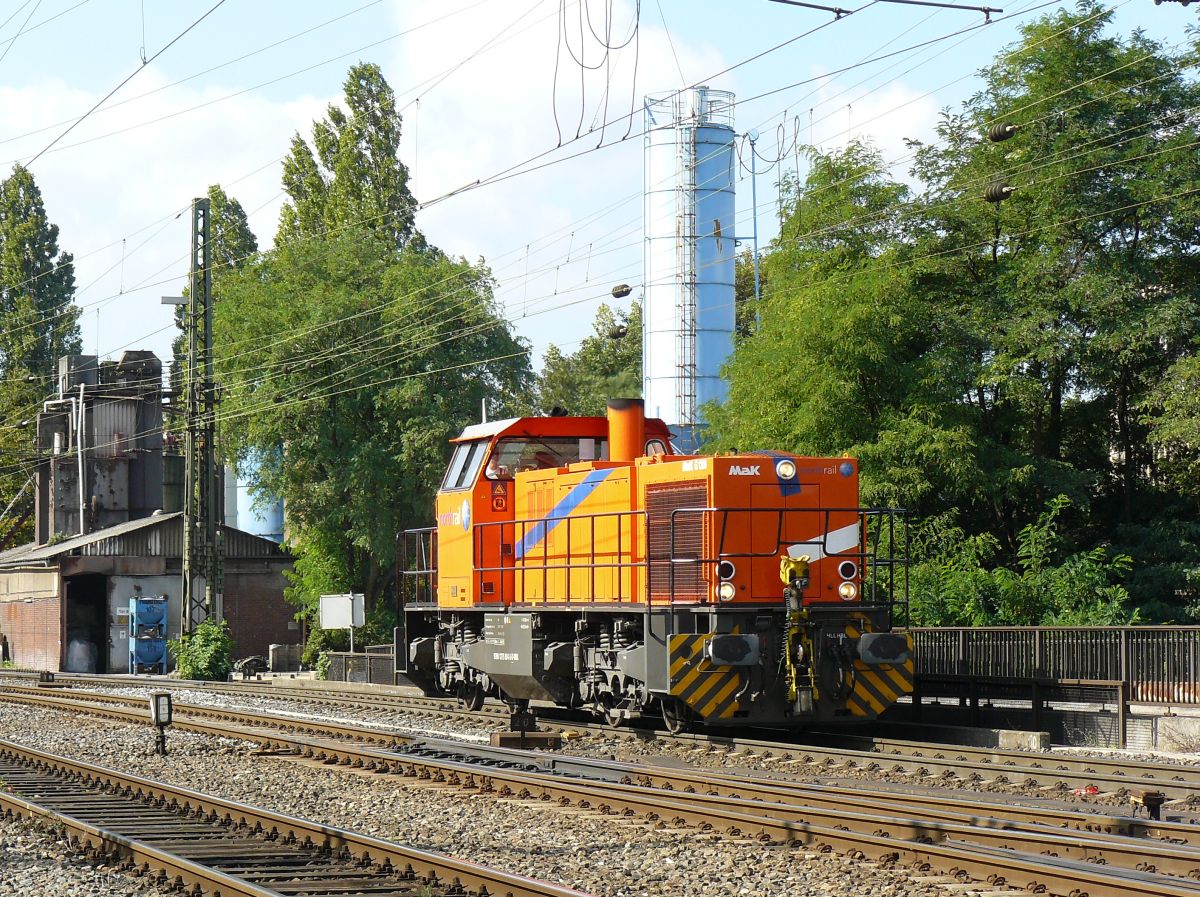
<point>610,714</point>
<point>676,715</point>
<point>472,697</point>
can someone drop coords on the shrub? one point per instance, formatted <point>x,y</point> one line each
<point>324,660</point>
<point>206,653</point>
<point>957,582</point>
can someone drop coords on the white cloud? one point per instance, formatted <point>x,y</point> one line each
<point>580,218</point>
<point>497,111</point>
<point>146,165</point>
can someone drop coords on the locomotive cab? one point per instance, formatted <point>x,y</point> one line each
<point>581,561</point>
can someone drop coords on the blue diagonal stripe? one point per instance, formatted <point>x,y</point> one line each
<point>561,511</point>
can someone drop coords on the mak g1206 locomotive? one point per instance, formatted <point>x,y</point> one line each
<point>579,560</point>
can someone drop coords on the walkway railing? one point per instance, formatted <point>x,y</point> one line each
<point>1156,664</point>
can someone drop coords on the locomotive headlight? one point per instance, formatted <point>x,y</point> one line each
<point>786,469</point>
<point>726,591</point>
<point>726,570</point>
<point>848,591</point>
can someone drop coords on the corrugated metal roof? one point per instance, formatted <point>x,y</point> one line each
<point>19,550</point>
<point>158,536</point>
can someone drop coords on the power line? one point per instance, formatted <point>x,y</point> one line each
<point>210,69</point>
<point>20,31</point>
<point>906,262</point>
<point>127,79</point>
<point>271,163</point>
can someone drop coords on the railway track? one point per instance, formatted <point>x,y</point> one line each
<point>216,846</point>
<point>1043,849</point>
<point>821,751</point>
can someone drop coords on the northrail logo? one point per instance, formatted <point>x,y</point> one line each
<point>737,470</point>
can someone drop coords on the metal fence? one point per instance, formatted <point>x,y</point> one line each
<point>1156,664</point>
<point>375,667</point>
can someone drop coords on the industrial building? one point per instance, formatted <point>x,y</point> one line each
<point>108,527</point>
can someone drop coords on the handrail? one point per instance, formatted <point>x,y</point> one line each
<point>1158,664</point>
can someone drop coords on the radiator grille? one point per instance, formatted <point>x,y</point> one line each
<point>661,500</point>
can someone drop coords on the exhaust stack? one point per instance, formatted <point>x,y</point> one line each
<point>626,429</point>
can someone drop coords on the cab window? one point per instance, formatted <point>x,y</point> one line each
<point>514,455</point>
<point>464,465</point>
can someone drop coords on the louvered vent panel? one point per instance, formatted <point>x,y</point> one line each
<point>661,500</point>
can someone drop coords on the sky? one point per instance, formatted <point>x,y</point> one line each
<point>486,87</point>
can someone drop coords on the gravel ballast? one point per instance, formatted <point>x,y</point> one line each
<point>607,856</point>
<point>35,863</point>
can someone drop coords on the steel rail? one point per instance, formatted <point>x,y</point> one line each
<point>1033,768</point>
<point>668,778</point>
<point>427,870</point>
<point>776,822</point>
<point>994,766</point>
<point>1130,768</point>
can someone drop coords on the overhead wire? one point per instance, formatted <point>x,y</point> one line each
<point>963,248</point>
<point>633,196</point>
<point>127,79</point>
<point>214,68</point>
<point>1045,225</point>
<point>268,164</point>
<point>435,79</point>
<point>341,373</point>
<point>177,113</point>
<point>46,21</point>
<point>20,31</point>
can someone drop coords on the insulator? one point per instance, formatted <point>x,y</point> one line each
<point>621,290</point>
<point>998,192</point>
<point>618,332</point>
<point>1002,131</point>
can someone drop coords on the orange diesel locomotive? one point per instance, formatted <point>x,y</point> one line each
<point>579,560</point>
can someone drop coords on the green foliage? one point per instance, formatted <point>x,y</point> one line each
<point>206,653</point>
<point>982,359</point>
<point>356,178</point>
<point>955,581</point>
<point>607,365</point>
<point>363,383</point>
<point>324,662</point>
<point>743,290</point>
<point>353,351</point>
<point>38,323</point>
<point>1174,422</point>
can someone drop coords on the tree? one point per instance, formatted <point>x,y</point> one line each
<point>38,323</point>
<point>1175,425</point>
<point>1075,295</point>
<point>362,384</point>
<point>356,176</point>
<point>607,365</point>
<point>843,358</point>
<point>743,290</point>
<point>983,358</point>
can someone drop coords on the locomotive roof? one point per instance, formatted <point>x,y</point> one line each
<point>552,426</point>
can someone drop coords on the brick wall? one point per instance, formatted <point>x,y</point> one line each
<point>257,613</point>
<point>34,632</point>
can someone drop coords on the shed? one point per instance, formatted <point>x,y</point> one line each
<point>64,605</point>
